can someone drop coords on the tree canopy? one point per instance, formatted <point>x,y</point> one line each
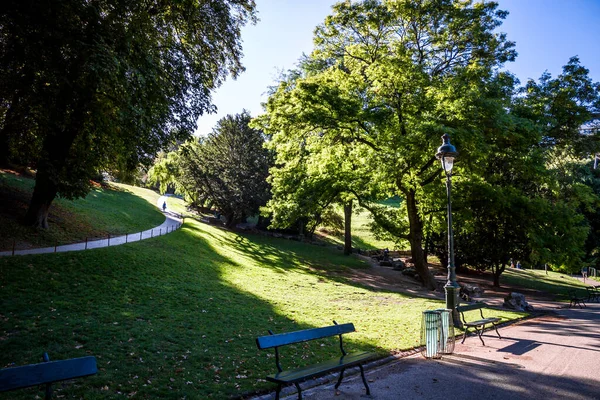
<point>104,84</point>
<point>229,168</point>
<point>387,80</point>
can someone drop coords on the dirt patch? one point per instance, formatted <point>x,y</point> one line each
<point>388,279</point>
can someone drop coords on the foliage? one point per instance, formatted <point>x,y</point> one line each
<point>229,168</point>
<point>87,86</point>
<point>385,81</point>
<point>164,172</point>
<point>520,196</point>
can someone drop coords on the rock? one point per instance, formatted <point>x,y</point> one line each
<point>410,272</point>
<point>516,301</point>
<point>398,265</point>
<point>469,291</point>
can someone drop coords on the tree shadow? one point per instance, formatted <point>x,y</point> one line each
<point>158,315</point>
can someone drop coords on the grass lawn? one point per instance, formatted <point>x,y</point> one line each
<point>177,316</point>
<point>362,237</point>
<point>116,210</point>
<point>557,283</point>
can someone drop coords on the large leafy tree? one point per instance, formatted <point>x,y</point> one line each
<point>229,167</point>
<point>90,85</point>
<point>525,193</point>
<point>394,76</point>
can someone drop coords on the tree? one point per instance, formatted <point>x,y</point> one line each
<point>523,195</point>
<point>104,83</point>
<point>229,167</point>
<point>392,78</point>
<point>164,172</point>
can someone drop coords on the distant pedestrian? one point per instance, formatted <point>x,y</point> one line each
<point>164,206</point>
<point>518,265</point>
<point>512,263</point>
<point>584,272</point>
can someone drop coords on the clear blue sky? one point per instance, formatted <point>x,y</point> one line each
<point>547,33</point>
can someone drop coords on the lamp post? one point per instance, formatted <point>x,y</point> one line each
<point>446,153</point>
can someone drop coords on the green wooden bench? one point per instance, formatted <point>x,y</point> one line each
<point>46,373</point>
<point>478,325</point>
<point>593,293</point>
<point>295,376</point>
<point>575,299</point>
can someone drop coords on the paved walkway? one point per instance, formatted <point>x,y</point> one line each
<point>551,357</point>
<point>172,222</point>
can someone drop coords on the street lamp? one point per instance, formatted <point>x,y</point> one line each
<point>446,153</point>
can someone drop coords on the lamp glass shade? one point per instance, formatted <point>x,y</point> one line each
<point>447,163</point>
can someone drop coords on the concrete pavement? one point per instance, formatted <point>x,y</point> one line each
<point>171,223</point>
<point>556,356</point>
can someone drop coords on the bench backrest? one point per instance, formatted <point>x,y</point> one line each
<point>47,372</point>
<point>282,339</point>
<point>469,307</point>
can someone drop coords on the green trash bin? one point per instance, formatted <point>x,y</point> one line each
<point>446,345</point>
<point>431,334</point>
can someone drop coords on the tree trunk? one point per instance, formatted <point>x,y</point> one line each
<point>348,228</point>
<point>497,272</point>
<point>7,130</point>
<point>44,193</point>
<point>416,241</point>
<point>4,144</point>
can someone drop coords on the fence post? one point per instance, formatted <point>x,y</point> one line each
<point>55,244</point>
<point>126,237</point>
<point>14,244</point>
<point>160,232</point>
<point>140,235</point>
<point>85,243</point>
<point>108,240</point>
<point>152,233</point>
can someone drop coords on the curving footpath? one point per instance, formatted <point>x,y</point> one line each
<point>172,222</point>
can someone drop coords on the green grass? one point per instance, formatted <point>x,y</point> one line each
<point>177,316</point>
<point>177,205</point>
<point>116,210</point>
<point>556,283</point>
<point>362,237</point>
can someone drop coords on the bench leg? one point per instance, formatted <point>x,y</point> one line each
<point>339,382</point>
<point>496,328</point>
<point>299,390</point>
<point>362,374</point>
<point>277,392</point>
<point>465,334</point>
<point>479,333</point>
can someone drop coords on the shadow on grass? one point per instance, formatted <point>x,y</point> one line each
<point>103,212</point>
<point>158,315</point>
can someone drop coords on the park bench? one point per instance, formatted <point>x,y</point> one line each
<point>478,325</point>
<point>46,373</point>
<point>575,299</point>
<point>593,293</point>
<point>295,376</point>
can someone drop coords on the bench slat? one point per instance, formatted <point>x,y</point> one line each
<point>304,373</point>
<point>482,321</point>
<point>470,307</point>
<point>47,372</point>
<point>281,339</point>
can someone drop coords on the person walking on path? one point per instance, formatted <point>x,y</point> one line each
<point>584,273</point>
<point>164,206</point>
